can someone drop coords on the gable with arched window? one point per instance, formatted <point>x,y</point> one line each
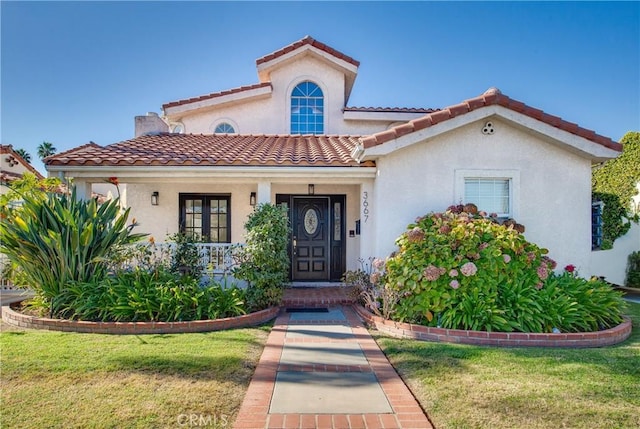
<point>307,109</point>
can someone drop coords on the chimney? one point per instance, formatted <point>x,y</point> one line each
<point>151,123</point>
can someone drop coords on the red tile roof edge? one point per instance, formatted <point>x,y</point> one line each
<point>307,40</point>
<point>492,96</point>
<point>390,109</point>
<point>248,150</point>
<point>75,149</point>
<point>216,94</point>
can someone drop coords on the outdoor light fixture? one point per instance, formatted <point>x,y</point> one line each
<point>311,189</point>
<point>154,198</point>
<point>252,199</point>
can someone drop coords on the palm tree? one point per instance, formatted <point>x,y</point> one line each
<point>46,149</point>
<point>24,154</point>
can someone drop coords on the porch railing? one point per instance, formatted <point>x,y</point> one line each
<point>215,258</point>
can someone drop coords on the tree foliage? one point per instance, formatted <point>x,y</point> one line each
<point>615,184</point>
<point>56,240</point>
<point>46,149</point>
<point>29,185</point>
<point>264,260</point>
<point>24,154</point>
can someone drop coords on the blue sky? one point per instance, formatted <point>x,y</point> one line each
<point>74,72</point>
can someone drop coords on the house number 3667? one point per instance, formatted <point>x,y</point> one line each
<point>365,205</point>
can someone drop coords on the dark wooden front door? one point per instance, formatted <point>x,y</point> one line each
<point>310,239</point>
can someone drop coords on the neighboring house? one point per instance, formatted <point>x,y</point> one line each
<point>12,167</point>
<point>352,177</point>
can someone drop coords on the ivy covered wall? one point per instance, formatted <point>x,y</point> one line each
<point>615,184</point>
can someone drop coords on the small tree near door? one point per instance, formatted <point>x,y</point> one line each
<point>264,261</point>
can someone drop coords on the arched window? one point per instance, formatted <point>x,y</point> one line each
<point>307,109</point>
<point>224,128</point>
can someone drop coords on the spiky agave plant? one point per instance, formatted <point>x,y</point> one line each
<point>59,239</point>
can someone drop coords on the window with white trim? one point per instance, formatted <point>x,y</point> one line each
<point>224,128</point>
<point>492,191</point>
<point>489,194</point>
<point>307,109</point>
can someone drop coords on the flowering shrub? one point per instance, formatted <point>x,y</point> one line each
<point>370,289</point>
<point>463,270</point>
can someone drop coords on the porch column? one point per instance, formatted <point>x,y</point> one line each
<point>264,192</point>
<point>83,189</point>
<point>367,221</point>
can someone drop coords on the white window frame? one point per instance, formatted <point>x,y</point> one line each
<point>176,125</point>
<point>513,176</point>
<point>325,93</point>
<point>229,121</point>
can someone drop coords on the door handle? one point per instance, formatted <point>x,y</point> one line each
<point>295,245</point>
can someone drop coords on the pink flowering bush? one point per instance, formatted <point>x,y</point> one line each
<point>463,270</point>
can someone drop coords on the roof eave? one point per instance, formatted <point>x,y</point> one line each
<point>381,116</point>
<point>574,143</point>
<point>198,172</point>
<point>173,112</point>
<point>349,69</point>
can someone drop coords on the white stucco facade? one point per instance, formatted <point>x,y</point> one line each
<point>418,165</point>
<point>550,194</point>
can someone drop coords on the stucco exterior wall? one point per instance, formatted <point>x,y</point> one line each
<point>163,220</point>
<point>552,200</point>
<point>271,115</point>
<point>612,264</point>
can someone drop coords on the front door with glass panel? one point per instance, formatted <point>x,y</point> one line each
<point>310,257</point>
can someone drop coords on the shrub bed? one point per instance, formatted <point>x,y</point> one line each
<point>464,270</point>
<point>146,296</point>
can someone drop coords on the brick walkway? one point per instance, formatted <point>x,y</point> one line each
<point>255,409</point>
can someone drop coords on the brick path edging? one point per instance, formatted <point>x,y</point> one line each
<point>604,338</point>
<point>14,318</point>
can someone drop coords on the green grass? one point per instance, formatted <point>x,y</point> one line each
<point>69,380</point>
<point>463,386</point>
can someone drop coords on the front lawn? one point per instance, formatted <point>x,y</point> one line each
<point>462,386</point>
<point>69,380</point>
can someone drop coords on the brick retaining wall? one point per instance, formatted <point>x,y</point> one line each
<point>14,318</point>
<point>503,339</point>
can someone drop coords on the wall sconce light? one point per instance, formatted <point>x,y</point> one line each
<point>252,199</point>
<point>154,198</point>
<point>312,189</point>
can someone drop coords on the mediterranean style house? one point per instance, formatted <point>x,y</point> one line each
<point>12,167</point>
<point>352,178</point>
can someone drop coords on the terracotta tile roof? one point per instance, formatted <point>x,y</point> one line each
<point>390,109</point>
<point>307,40</point>
<point>216,94</point>
<point>216,150</point>
<point>492,96</point>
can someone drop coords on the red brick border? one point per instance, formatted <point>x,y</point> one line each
<point>14,318</point>
<point>503,339</point>
<point>254,411</point>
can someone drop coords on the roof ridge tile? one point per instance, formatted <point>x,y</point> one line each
<point>307,40</point>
